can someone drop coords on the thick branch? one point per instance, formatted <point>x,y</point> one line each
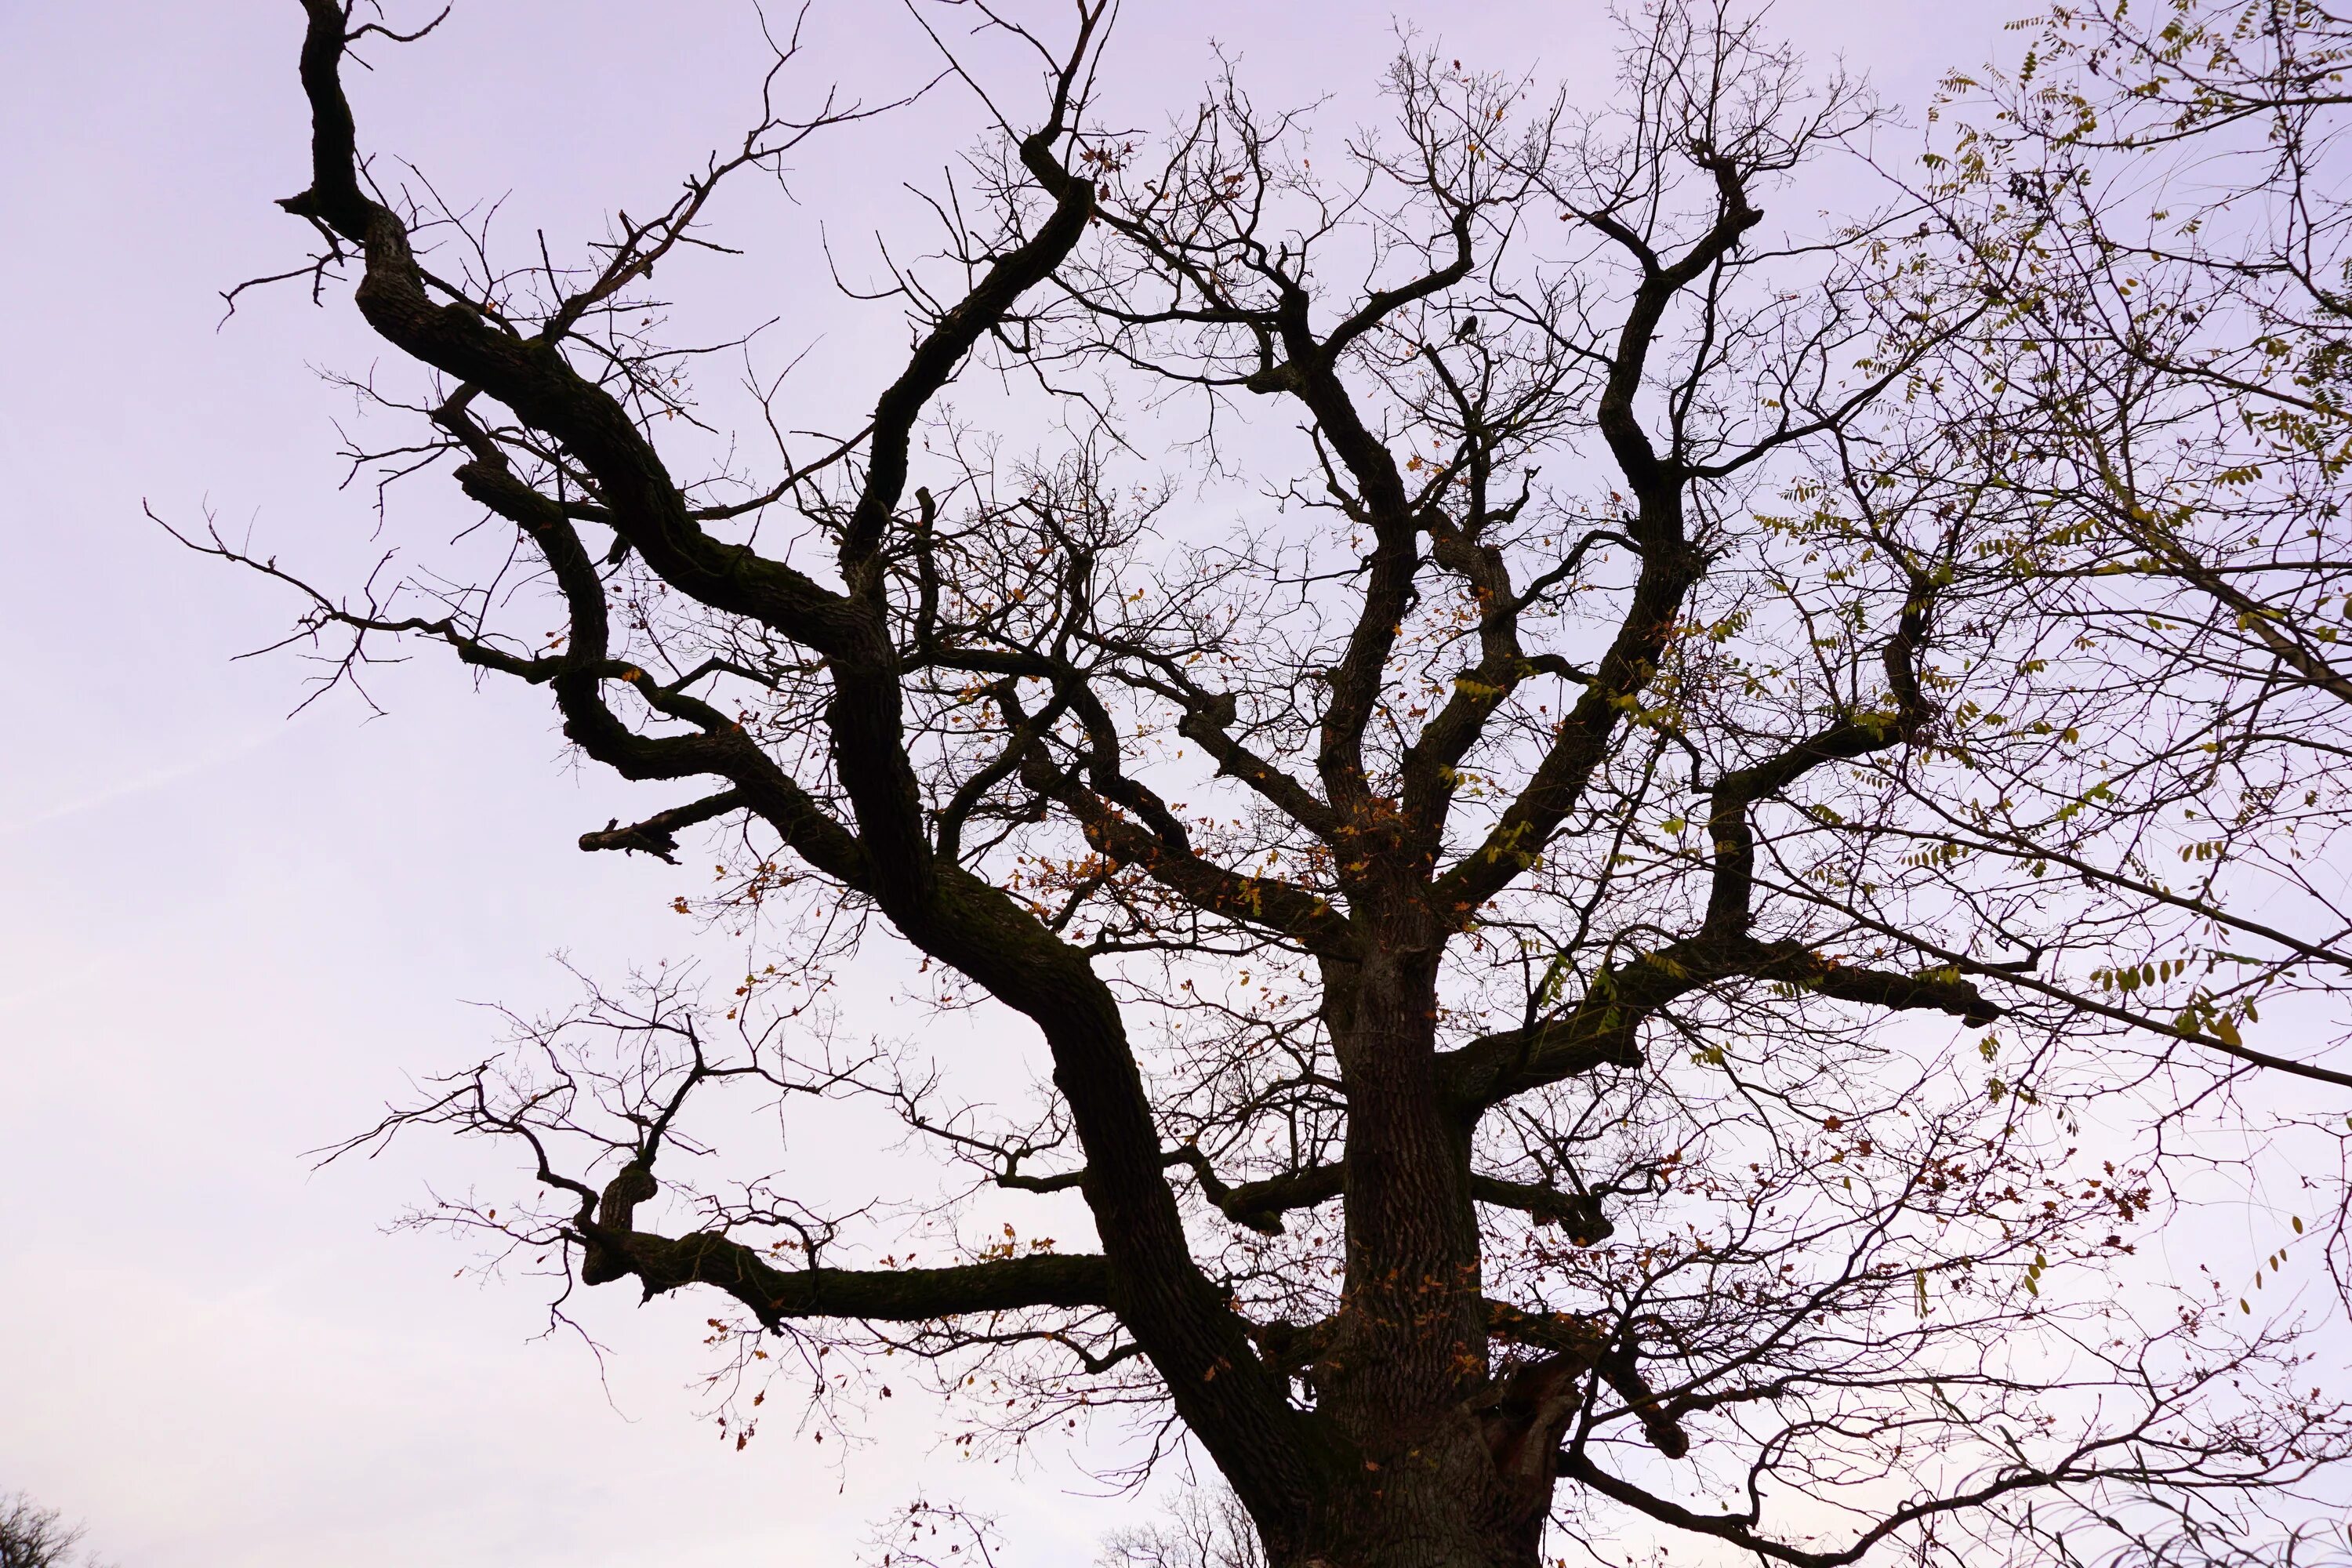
<point>1604,1027</point>
<point>657,834</point>
<point>532,375</point>
<point>663,1264</point>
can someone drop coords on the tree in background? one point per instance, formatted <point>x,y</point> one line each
<point>1206,1527</point>
<point>32,1536</point>
<point>1532,993</point>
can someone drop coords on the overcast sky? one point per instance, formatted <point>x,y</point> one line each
<point>227,936</point>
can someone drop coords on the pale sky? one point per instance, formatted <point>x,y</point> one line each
<point>227,936</point>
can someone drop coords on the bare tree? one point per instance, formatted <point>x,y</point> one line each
<point>1206,1527</point>
<point>32,1536</point>
<point>1493,915</point>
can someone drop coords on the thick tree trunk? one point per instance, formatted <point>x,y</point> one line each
<point>1436,1508</point>
<point>1447,1468</point>
<point>1410,1342</point>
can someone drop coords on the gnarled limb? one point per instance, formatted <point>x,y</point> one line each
<point>657,834</point>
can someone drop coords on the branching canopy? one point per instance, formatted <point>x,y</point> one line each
<point>1571,782</point>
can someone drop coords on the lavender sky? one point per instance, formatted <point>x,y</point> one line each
<point>228,936</point>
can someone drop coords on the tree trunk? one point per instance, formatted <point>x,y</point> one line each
<point>1437,1506</point>
<point>1447,1468</point>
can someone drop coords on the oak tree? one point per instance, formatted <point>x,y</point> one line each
<point>1432,684</point>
